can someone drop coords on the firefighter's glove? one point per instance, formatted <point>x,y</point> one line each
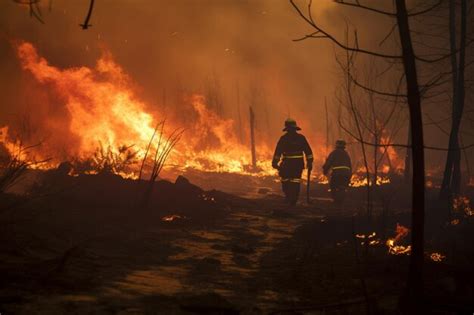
<point>275,166</point>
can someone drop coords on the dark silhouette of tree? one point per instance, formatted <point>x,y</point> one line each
<point>35,11</point>
<point>452,173</point>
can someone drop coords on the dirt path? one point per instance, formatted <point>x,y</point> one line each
<point>132,267</point>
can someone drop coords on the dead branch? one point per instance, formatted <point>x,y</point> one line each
<point>86,24</point>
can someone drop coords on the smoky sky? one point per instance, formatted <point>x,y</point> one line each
<point>237,52</point>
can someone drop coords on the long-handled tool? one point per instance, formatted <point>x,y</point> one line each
<point>308,181</point>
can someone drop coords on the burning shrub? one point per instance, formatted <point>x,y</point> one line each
<point>393,243</point>
<point>108,160</point>
<point>15,159</point>
<point>12,172</point>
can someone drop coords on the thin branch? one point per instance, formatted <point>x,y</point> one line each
<point>358,5</point>
<point>333,39</point>
<point>86,24</point>
<point>434,6</point>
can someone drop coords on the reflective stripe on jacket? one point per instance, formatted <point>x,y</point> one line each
<point>293,146</point>
<point>338,159</point>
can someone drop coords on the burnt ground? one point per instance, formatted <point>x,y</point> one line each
<point>87,245</point>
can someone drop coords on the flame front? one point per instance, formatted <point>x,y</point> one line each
<point>103,115</point>
<point>104,112</point>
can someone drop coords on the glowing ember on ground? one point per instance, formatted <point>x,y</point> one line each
<point>437,257</point>
<point>463,204</point>
<point>361,181</point>
<point>370,238</point>
<point>454,222</point>
<point>208,198</point>
<point>363,236</point>
<point>172,217</point>
<point>392,243</point>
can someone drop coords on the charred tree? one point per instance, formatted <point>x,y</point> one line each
<point>252,138</point>
<point>452,173</point>
<point>415,277</point>
<point>327,126</point>
<point>408,157</point>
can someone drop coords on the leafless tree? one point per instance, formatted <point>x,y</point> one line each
<point>407,57</point>
<point>452,173</point>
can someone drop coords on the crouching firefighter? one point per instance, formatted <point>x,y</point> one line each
<point>338,164</point>
<point>289,160</point>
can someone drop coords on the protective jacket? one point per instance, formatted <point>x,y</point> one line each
<point>338,160</point>
<point>291,150</point>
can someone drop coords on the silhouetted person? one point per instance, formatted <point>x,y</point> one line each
<point>289,160</point>
<point>339,163</point>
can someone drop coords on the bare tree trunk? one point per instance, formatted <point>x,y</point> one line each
<point>415,277</point>
<point>461,98</point>
<point>408,157</point>
<point>446,188</point>
<point>452,172</point>
<point>327,127</point>
<point>252,138</point>
<point>361,137</point>
<point>376,141</point>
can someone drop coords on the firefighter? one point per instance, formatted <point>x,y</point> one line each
<point>339,163</point>
<point>289,160</point>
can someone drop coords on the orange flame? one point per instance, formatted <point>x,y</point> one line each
<point>392,243</point>
<point>103,111</point>
<point>437,257</point>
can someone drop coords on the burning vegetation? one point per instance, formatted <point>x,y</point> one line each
<point>393,244</point>
<point>109,128</point>
<point>111,164</point>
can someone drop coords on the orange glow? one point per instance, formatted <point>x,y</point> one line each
<point>393,247</point>
<point>463,204</point>
<point>172,217</point>
<point>437,257</point>
<point>104,112</point>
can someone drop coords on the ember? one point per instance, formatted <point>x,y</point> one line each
<point>371,238</point>
<point>462,204</point>
<point>172,217</point>
<point>437,257</point>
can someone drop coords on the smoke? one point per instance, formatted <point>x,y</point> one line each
<point>235,53</point>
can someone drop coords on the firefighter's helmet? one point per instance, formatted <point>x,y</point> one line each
<point>340,144</point>
<point>290,124</point>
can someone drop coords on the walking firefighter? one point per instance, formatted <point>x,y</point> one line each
<point>289,160</point>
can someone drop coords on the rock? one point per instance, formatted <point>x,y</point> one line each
<point>183,184</point>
